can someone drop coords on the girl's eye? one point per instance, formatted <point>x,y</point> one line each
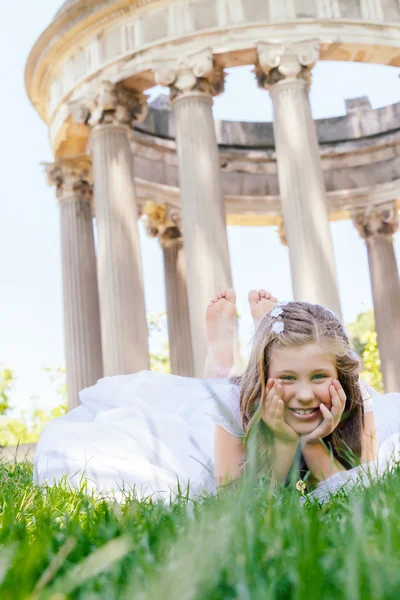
<point>319,376</point>
<point>287,378</point>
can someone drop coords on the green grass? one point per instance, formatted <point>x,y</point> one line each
<point>57,543</point>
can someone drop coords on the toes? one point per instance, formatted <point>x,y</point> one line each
<point>253,297</point>
<point>230,295</point>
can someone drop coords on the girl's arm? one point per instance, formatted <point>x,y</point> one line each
<point>229,455</point>
<point>320,461</point>
<point>369,442</point>
<point>283,457</point>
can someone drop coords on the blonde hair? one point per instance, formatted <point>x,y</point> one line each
<point>303,323</point>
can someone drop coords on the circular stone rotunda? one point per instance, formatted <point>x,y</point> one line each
<point>187,176</point>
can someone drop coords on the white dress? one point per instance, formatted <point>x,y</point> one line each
<point>145,431</point>
<point>154,433</point>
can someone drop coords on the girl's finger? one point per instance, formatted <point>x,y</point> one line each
<point>337,408</point>
<point>273,405</point>
<point>279,411</point>
<point>269,392</point>
<point>340,391</point>
<point>326,413</point>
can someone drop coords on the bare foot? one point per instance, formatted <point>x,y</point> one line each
<point>261,302</point>
<point>220,324</point>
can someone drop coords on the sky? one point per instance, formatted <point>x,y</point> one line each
<point>31,321</point>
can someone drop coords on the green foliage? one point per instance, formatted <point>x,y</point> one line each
<point>372,362</point>
<point>58,376</point>
<point>360,329</point>
<point>363,339</point>
<point>246,544</point>
<point>27,428</point>
<point>6,383</point>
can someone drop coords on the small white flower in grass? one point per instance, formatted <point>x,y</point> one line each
<point>278,327</point>
<point>277,312</point>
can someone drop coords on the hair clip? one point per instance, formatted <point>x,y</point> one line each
<point>278,327</point>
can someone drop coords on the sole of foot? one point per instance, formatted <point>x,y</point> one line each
<point>261,302</point>
<point>220,325</point>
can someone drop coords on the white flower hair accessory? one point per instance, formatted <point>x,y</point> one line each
<point>277,313</point>
<point>278,327</point>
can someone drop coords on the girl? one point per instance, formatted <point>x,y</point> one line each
<point>155,432</point>
<point>300,391</point>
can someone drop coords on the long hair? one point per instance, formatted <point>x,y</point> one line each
<point>304,323</point>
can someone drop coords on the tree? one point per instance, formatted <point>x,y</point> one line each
<point>363,339</point>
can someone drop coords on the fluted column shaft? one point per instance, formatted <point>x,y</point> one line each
<point>377,227</point>
<point>81,300</point>
<point>110,110</point>
<point>285,72</point>
<point>203,212</point>
<point>122,307</point>
<point>386,294</point>
<point>193,81</point>
<point>180,340</point>
<point>80,292</point>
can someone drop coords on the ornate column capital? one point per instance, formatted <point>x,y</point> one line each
<point>163,223</point>
<point>376,220</point>
<point>282,62</point>
<point>72,178</point>
<point>109,104</point>
<point>196,72</point>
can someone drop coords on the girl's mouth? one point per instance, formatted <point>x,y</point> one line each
<point>305,413</point>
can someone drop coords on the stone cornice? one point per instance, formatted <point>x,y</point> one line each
<point>54,69</point>
<point>266,210</point>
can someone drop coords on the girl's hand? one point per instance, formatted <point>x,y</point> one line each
<point>273,411</point>
<point>331,418</point>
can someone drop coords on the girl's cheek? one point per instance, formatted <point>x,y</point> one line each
<point>325,396</point>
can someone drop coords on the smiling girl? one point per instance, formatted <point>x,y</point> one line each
<point>300,392</point>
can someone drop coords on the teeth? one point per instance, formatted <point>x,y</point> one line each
<point>307,411</point>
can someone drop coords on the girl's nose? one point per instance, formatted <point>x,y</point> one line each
<point>304,393</point>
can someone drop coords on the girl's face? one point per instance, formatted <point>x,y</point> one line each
<point>306,372</point>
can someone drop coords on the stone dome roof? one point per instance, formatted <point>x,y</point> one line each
<point>65,6</point>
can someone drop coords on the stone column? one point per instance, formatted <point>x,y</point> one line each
<point>377,226</point>
<point>110,111</point>
<point>193,82</point>
<point>286,72</point>
<point>72,178</point>
<point>165,225</point>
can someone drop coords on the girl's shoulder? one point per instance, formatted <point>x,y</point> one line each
<point>227,406</point>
